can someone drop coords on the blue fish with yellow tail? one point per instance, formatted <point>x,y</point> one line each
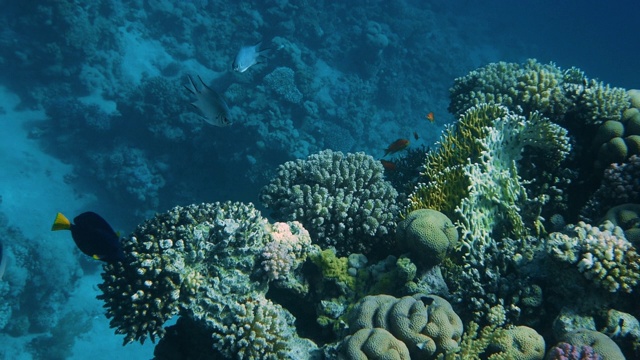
<point>93,236</point>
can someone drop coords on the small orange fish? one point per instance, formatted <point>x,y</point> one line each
<point>431,117</point>
<point>388,165</point>
<point>415,135</point>
<point>396,146</point>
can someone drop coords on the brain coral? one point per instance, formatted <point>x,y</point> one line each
<point>426,324</point>
<point>428,235</point>
<point>201,262</point>
<point>341,199</point>
<point>373,344</point>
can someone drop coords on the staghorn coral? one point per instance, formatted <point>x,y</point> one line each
<point>341,199</point>
<point>602,254</point>
<point>201,262</point>
<point>426,324</point>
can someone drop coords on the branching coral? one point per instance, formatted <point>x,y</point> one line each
<point>556,94</point>
<point>341,199</point>
<point>602,254</point>
<point>201,262</point>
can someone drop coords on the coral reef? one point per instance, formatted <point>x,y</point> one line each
<point>566,351</point>
<point>531,86</point>
<point>427,235</point>
<point>282,82</point>
<point>599,342</point>
<point>200,262</point>
<point>341,199</point>
<point>370,344</point>
<point>602,254</point>
<point>426,324</point>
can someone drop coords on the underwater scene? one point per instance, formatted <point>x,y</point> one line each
<point>353,180</point>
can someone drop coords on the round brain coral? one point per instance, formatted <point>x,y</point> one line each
<point>428,235</point>
<point>519,343</point>
<point>341,199</point>
<point>426,324</point>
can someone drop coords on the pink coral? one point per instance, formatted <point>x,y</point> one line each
<point>287,249</point>
<point>566,351</point>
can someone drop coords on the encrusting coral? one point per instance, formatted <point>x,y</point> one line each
<point>204,262</point>
<point>341,199</point>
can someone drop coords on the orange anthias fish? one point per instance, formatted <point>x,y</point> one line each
<point>396,146</point>
<point>388,165</point>
<point>431,117</point>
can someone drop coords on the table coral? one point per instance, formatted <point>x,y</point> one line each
<point>341,199</point>
<point>202,262</point>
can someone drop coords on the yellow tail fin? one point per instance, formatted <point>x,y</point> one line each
<point>61,223</point>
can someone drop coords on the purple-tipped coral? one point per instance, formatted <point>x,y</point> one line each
<point>566,351</point>
<point>620,185</point>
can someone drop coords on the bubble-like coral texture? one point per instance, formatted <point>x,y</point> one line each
<point>602,254</point>
<point>342,199</point>
<point>425,323</point>
<point>202,262</point>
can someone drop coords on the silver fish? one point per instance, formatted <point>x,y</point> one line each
<point>247,57</point>
<point>211,105</point>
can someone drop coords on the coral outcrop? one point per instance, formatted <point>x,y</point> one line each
<point>343,201</point>
<point>202,262</point>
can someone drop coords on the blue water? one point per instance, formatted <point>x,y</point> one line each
<point>95,117</point>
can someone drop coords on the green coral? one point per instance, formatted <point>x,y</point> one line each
<point>427,235</point>
<point>425,323</point>
<point>517,343</point>
<point>545,88</point>
<point>335,269</point>
<point>341,199</point>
